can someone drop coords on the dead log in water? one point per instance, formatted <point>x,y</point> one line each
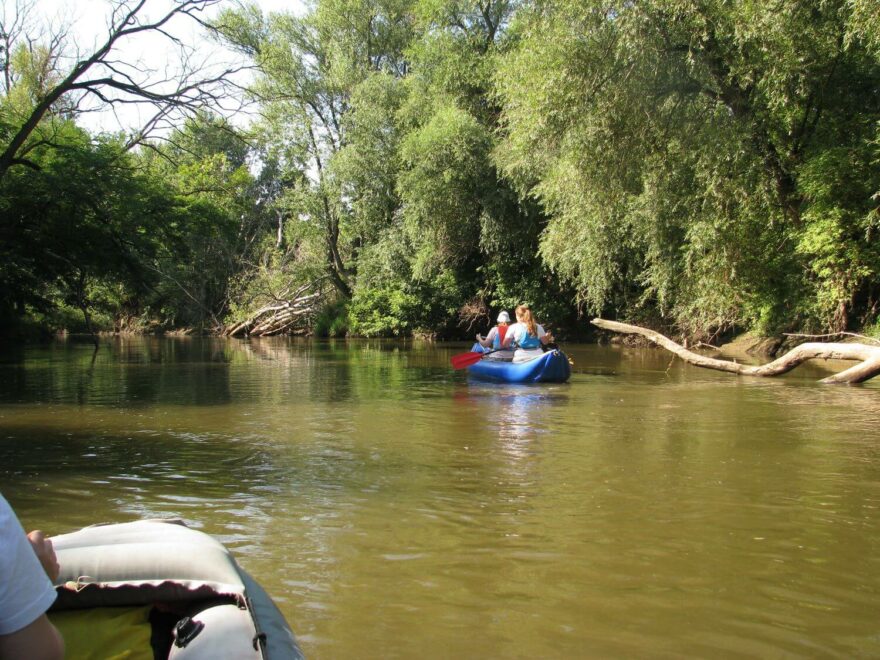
<point>867,356</point>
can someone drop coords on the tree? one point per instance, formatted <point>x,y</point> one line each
<point>77,230</point>
<point>100,75</point>
<point>311,68</point>
<point>222,216</point>
<point>381,113</point>
<point>864,23</point>
<point>703,164</point>
<point>155,236</point>
<point>465,221</point>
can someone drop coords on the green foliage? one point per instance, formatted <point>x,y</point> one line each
<point>389,301</point>
<point>367,165</point>
<point>113,235</point>
<point>864,23</point>
<point>31,67</point>
<point>445,163</point>
<point>679,149</point>
<point>382,303</point>
<point>384,109</point>
<point>81,219</point>
<point>207,240</point>
<point>701,166</point>
<point>332,321</point>
<point>836,240</point>
<point>383,312</point>
<point>394,308</point>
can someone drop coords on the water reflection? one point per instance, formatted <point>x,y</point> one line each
<point>519,414</point>
<point>211,371</point>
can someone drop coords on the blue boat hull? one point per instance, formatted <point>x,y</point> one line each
<point>552,367</point>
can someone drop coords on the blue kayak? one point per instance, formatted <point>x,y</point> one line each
<point>551,367</point>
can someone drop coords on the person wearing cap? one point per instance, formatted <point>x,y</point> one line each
<point>496,335</point>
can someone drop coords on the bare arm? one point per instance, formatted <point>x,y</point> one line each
<point>508,338</point>
<point>25,592</point>
<point>486,342</point>
<point>39,640</point>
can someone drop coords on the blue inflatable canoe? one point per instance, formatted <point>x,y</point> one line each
<point>551,367</point>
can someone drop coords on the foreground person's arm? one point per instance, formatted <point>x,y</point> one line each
<point>39,640</point>
<point>26,592</point>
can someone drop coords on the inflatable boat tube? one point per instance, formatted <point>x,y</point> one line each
<point>162,581</point>
<point>550,367</point>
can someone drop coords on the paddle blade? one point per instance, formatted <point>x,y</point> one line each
<point>464,360</point>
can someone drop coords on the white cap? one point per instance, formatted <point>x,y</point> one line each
<point>503,317</point>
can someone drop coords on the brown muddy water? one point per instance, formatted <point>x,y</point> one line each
<point>396,509</point>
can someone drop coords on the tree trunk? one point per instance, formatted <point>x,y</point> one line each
<point>867,356</point>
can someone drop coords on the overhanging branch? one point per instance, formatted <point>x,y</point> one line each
<point>109,74</point>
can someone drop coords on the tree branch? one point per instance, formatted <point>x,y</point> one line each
<point>191,92</point>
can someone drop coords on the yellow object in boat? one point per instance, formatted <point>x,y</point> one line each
<point>105,633</point>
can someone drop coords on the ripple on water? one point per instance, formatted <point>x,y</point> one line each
<point>642,510</point>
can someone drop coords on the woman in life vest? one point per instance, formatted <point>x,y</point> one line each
<point>526,336</point>
<point>497,334</point>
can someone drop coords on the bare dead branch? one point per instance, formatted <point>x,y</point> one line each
<point>280,315</point>
<point>114,81</point>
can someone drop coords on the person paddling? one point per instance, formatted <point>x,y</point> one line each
<point>495,339</point>
<point>496,335</point>
<point>526,335</point>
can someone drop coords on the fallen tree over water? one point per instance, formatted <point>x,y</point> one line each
<point>282,314</point>
<point>867,356</point>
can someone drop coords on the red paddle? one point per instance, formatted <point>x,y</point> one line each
<point>464,360</point>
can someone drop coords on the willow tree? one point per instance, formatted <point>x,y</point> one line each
<point>310,69</point>
<point>705,164</point>
<point>382,111</point>
<point>474,240</point>
<point>864,23</point>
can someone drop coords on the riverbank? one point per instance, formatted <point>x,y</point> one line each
<point>745,344</point>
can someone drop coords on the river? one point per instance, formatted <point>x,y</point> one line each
<point>395,509</point>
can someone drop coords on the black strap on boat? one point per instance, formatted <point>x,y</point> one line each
<point>260,637</point>
<point>186,630</point>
